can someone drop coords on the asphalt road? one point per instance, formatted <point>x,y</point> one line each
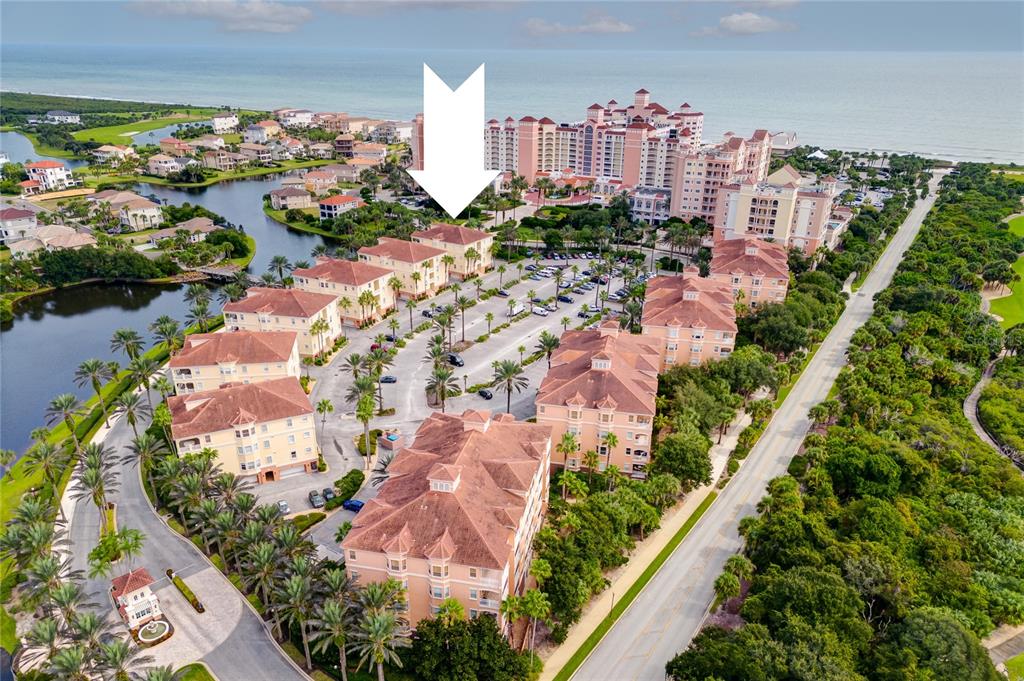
<point>668,612</point>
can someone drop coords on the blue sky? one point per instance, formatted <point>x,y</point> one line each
<point>741,25</point>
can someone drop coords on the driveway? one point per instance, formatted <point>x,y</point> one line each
<point>669,612</point>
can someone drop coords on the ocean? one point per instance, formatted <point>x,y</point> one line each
<point>958,106</point>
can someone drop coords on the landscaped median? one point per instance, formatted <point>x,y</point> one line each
<point>557,669</point>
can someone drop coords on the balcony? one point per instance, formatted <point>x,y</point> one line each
<point>489,603</point>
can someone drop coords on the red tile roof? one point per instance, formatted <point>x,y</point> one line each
<point>285,302</point>
<point>347,272</point>
<point>236,404</point>
<point>45,164</point>
<point>340,200</point>
<point>690,301</point>
<point>15,214</point>
<point>452,234</point>
<point>750,255</point>
<point>494,458</point>
<point>399,249</point>
<point>132,581</point>
<point>244,347</point>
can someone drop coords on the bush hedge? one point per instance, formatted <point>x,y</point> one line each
<point>185,591</point>
<point>348,485</point>
<point>307,520</point>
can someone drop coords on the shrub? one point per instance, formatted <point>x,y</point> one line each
<point>348,485</point>
<point>185,591</point>
<point>307,520</point>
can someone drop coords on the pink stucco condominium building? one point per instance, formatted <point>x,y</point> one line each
<point>471,248</point>
<point>691,319</point>
<point>457,515</point>
<point>602,381</point>
<point>348,281</point>
<point>275,309</point>
<point>756,270</point>
<point>794,211</point>
<point>207,360</point>
<point>263,429</point>
<point>417,266</point>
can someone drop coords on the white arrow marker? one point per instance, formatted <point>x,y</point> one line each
<point>453,141</point>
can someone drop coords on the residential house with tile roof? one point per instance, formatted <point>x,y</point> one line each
<point>265,429</point>
<point>208,360</point>
<point>458,241</point>
<point>755,269</point>
<point>290,197</point>
<point>457,515</point>
<point>133,595</point>
<point>348,281</point>
<point>279,309</point>
<point>417,266</point>
<point>602,381</point>
<point>690,319</point>
<point>338,204</point>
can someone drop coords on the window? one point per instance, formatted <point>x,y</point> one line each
<point>472,572</point>
<point>435,592</point>
<point>606,418</point>
<point>295,454</point>
<point>263,428</point>
<point>288,423</point>
<point>269,459</point>
<point>472,595</point>
<point>207,439</point>
<point>291,439</point>
<point>438,570</point>
<point>352,555</point>
<point>266,444</point>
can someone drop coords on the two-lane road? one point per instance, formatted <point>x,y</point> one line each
<point>668,612</point>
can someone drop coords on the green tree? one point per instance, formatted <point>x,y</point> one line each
<point>508,377</point>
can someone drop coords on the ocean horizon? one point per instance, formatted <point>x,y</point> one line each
<point>949,105</point>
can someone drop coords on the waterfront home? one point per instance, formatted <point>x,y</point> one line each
<point>109,153</point>
<point>343,171</point>
<point>417,266</point>
<point>175,146</point>
<point>63,117</point>
<point>319,182</point>
<point>391,132</point>
<point>111,199</point>
<point>140,213</point>
<point>363,125</point>
<point>50,238</point>
<point>471,248</point>
<point>321,150</point>
<point>197,229</point>
<point>602,382</point>
<point>17,224</point>
<point>271,128</point>
<point>207,360</point>
<point>276,309</point>
<point>224,122</point>
<point>289,197</point>
<point>378,153</point>
<point>331,121</point>
<point>361,164</point>
<point>209,142</point>
<point>756,270</point>
<point>134,598</point>
<point>349,282</point>
<point>51,176</point>
<point>457,515</point>
<point>256,153</point>
<point>30,187</point>
<point>261,429</point>
<point>286,148</point>
<point>690,319</point>
<point>343,145</point>
<point>255,134</point>
<point>294,118</point>
<point>294,181</point>
<point>333,206</point>
<point>222,160</point>
<point>163,165</point>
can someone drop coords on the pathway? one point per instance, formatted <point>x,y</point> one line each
<point>971,407</point>
<point>668,613</point>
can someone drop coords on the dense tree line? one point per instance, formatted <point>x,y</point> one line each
<point>1001,407</point>
<point>66,266</point>
<point>895,541</point>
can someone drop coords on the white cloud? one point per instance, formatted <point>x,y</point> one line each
<point>769,4</point>
<point>594,23</point>
<point>745,23</point>
<point>236,16</point>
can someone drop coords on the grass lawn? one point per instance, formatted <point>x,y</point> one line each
<point>118,134</point>
<point>100,181</point>
<point>8,634</point>
<point>1011,307</point>
<point>196,672</point>
<point>1015,667</point>
<point>44,150</point>
<point>581,654</point>
<point>244,261</point>
<point>278,216</point>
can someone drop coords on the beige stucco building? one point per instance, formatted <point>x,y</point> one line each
<point>275,309</point>
<point>264,429</point>
<point>348,281</point>
<point>457,515</point>
<point>690,319</point>
<point>756,270</point>
<point>134,598</point>
<point>208,360</point>
<point>457,241</point>
<point>407,259</point>
<point>602,381</point>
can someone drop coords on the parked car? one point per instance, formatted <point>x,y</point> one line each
<point>485,393</point>
<point>551,307</point>
<point>530,268</point>
<point>316,500</point>
<point>455,360</point>
<point>328,493</point>
<point>535,277</point>
<point>388,379</point>
<point>503,293</point>
<point>540,311</point>
<point>391,338</point>
<point>353,505</point>
<point>428,314</point>
<point>282,507</point>
<point>579,290</point>
<point>566,299</point>
<point>583,314</point>
<point>539,301</point>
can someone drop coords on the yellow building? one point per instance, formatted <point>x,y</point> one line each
<point>349,282</point>
<point>263,429</point>
<point>602,382</point>
<point>417,266</point>
<point>208,360</point>
<point>276,309</point>
<point>470,248</point>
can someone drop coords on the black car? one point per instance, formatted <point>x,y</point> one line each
<point>328,494</point>
<point>455,360</point>
<point>388,379</point>
<point>485,393</point>
<point>315,500</point>
<point>566,299</point>
<point>503,293</point>
<point>538,301</point>
<point>428,314</point>
<point>391,338</point>
<point>530,268</point>
<point>584,313</point>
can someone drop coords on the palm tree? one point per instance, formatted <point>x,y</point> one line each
<point>163,674</point>
<point>344,304</point>
<point>566,446</point>
<point>95,372</point>
<point>334,625</point>
<point>96,480</point>
<point>463,303</point>
<point>324,407</point>
<point>536,606</point>
<point>50,459</point>
<point>169,333</point>
<point>610,441</point>
<point>395,284</point>
<point>591,461</point>
<point>142,368</point>
<point>64,409</point>
<point>364,412</point>
<point>377,362</point>
<point>130,404</point>
<point>416,278</point>
<point>489,318</point>
<point>280,265</point>
<point>145,449</point>
<point>199,315</point>
<point>295,600</point>
<point>230,293</point>
<point>508,377</point>
<point>447,260</point>
<point>512,609</point>
<point>410,305</point>
<point>318,328</point>
<point>548,343</point>
<point>127,341</point>
<point>501,274</point>
<point>441,383</point>
<point>377,641</point>
<point>261,571</point>
<point>727,586</point>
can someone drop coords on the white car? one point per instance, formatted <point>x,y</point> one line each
<point>538,310</point>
